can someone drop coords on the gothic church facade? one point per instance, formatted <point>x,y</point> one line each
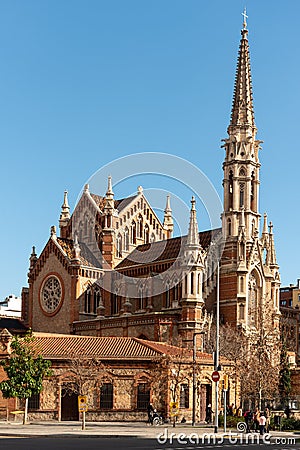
<point>114,269</point>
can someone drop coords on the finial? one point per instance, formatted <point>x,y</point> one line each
<point>109,186</point>
<point>168,205</point>
<point>265,227</point>
<point>245,17</point>
<point>168,219</point>
<point>193,202</point>
<point>140,189</point>
<point>33,258</point>
<point>271,228</point>
<point>65,204</point>
<point>65,213</point>
<point>53,231</point>
<point>76,247</point>
<point>193,233</point>
<point>86,188</point>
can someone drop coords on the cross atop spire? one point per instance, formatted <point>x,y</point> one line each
<point>245,18</point>
<point>242,113</point>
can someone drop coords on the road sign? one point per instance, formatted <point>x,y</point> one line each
<point>225,382</point>
<point>174,410</point>
<point>215,376</point>
<point>82,403</point>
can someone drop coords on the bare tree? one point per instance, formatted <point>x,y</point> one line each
<point>86,375</point>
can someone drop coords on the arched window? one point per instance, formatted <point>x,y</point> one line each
<point>146,234</point>
<point>184,401</point>
<point>242,284</point>
<point>252,197</point>
<point>242,195</point>
<point>97,298</point>
<point>133,233</point>
<point>126,240</point>
<point>229,227</point>
<point>168,299</point>
<point>119,246</point>
<point>142,297</point>
<point>106,396</point>
<point>114,304</point>
<point>230,190</point>
<point>192,282</point>
<point>242,311</point>
<point>253,228</point>
<point>176,291</point>
<point>242,172</point>
<point>87,301</point>
<point>140,227</point>
<point>86,227</point>
<point>254,299</point>
<point>199,284</point>
<point>152,238</point>
<point>143,396</point>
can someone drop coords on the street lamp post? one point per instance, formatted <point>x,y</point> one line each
<point>194,375</point>
<point>217,349</point>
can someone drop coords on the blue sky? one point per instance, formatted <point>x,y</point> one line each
<point>85,82</point>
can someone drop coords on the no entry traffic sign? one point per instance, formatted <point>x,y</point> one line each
<point>215,376</point>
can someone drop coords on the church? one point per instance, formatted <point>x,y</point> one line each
<point>113,268</point>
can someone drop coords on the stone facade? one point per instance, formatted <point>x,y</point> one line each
<point>140,372</point>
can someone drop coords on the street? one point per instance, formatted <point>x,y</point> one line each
<point>86,443</point>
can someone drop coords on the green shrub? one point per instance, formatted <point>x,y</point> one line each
<point>290,424</point>
<point>231,421</point>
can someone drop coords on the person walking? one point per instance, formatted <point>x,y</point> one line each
<point>268,418</point>
<point>209,413</point>
<point>150,411</point>
<point>262,424</point>
<point>256,419</point>
<point>248,420</point>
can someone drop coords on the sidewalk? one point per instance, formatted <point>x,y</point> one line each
<point>110,430</point>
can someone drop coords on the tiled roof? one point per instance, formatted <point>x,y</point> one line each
<point>57,346</point>
<point>119,204</point>
<point>163,250</point>
<point>176,351</point>
<point>87,258</point>
<point>123,202</point>
<point>100,201</point>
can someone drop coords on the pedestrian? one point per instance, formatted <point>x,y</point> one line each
<point>256,419</point>
<point>268,418</point>
<point>239,411</point>
<point>248,419</point>
<point>150,411</point>
<point>209,413</point>
<point>262,424</point>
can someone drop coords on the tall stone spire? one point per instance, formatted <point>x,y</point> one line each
<point>241,165</point>
<point>242,112</point>
<point>168,219</point>
<point>193,235</point>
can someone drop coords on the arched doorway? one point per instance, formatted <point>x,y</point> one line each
<point>69,403</point>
